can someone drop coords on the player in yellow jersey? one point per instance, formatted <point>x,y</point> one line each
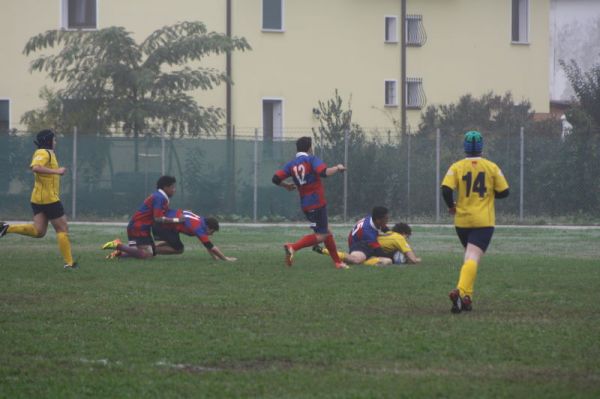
<point>45,200</point>
<point>394,248</point>
<point>477,182</point>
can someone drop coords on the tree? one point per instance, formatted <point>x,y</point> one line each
<point>586,86</point>
<point>136,87</point>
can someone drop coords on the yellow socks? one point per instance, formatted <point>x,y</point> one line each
<point>466,281</point>
<point>23,229</point>
<point>341,254</point>
<point>64,246</point>
<point>372,261</point>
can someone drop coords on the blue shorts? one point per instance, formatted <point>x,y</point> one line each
<point>318,220</point>
<point>365,248</point>
<point>478,236</point>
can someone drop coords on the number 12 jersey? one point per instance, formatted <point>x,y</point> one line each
<point>306,170</point>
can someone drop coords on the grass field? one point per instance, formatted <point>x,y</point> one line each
<point>188,326</point>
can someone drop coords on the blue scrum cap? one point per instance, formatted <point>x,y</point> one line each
<point>473,142</point>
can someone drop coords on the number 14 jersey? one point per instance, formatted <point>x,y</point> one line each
<point>475,179</point>
<point>306,169</point>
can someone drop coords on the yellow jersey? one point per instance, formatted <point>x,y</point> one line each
<point>392,242</point>
<point>475,180</point>
<point>46,188</point>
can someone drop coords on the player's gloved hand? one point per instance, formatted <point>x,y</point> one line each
<point>340,168</point>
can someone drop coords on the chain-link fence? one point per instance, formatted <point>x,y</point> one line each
<point>552,180</point>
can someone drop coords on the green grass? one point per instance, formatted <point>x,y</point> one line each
<point>187,326</point>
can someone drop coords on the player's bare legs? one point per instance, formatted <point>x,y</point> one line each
<point>356,257</point>
<point>163,248</point>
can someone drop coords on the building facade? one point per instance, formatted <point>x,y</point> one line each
<point>304,50</point>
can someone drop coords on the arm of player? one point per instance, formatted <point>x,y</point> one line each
<point>447,195</point>
<point>164,219</point>
<point>279,182</point>
<point>335,169</point>
<point>412,258</point>
<point>217,254</point>
<point>501,194</point>
<point>48,171</point>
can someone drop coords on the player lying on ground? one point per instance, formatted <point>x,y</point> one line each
<point>395,247</point>
<point>45,201</point>
<point>306,170</point>
<point>153,210</point>
<point>167,239</point>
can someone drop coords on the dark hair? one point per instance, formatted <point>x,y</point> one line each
<point>44,139</point>
<point>303,144</point>
<point>402,228</point>
<point>379,212</point>
<point>165,181</point>
<point>212,223</point>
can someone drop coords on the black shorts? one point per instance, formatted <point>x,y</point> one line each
<point>52,211</point>
<point>170,236</point>
<point>318,220</point>
<point>365,248</point>
<point>478,236</point>
<point>141,241</point>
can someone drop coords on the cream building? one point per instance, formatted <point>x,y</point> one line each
<point>303,50</point>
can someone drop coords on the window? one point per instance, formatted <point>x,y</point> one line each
<point>79,14</point>
<point>391,29</point>
<point>272,15</point>
<point>415,32</point>
<point>391,93</point>
<point>520,21</point>
<point>415,96</point>
<point>4,116</point>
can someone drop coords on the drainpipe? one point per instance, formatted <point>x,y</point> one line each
<point>228,72</point>
<point>403,65</point>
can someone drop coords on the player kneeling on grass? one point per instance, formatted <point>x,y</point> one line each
<point>395,247</point>
<point>168,242</point>
<point>153,210</point>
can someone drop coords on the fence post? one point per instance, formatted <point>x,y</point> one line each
<point>74,177</point>
<point>521,174</point>
<point>255,194</point>
<point>408,172</point>
<point>321,143</point>
<point>162,152</point>
<point>437,175</point>
<point>346,134</point>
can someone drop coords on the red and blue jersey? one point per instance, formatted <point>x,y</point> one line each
<point>364,230</point>
<point>155,206</point>
<point>306,170</point>
<point>193,225</point>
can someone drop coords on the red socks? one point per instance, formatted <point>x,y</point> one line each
<point>330,245</point>
<point>306,241</point>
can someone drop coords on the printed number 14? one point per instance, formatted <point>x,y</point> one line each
<point>478,185</point>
